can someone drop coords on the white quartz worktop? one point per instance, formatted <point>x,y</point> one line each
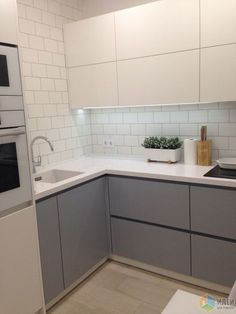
<point>93,167</point>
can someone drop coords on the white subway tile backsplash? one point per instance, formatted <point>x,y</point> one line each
<point>145,117</point>
<point>58,122</point>
<point>232,114</point>
<point>189,129</point>
<point>232,143</point>
<point>227,129</point>
<point>198,116</point>
<point>218,115</point>
<point>131,140</point>
<point>109,129</point>
<point>48,18</point>
<point>45,57</point>
<point>138,129</point>
<point>123,129</point>
<point>33,14</point>
<point>39,70</point>
<point>51,45</point>
<point>130,117</point>
<point>153,129</point>
<point>161,117</point>
<point>179,117</point>
<point>29,55</point>
<point>32,83</point>
<point>27,27</point>
<point>170,129</point>
<point>47,84</point>
<point>115,117</point>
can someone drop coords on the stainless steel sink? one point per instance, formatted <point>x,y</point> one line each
<point>56,175</point>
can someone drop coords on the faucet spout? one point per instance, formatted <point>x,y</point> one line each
<point>38,162</point>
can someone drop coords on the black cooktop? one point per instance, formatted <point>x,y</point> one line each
<point>218,172</point>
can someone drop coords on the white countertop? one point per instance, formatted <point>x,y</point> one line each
<point>93,167</point>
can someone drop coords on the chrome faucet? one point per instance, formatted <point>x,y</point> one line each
<point>38,162</point>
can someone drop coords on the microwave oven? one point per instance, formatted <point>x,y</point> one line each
<point>10,79</point>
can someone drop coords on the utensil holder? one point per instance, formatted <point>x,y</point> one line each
<point>204,153</point>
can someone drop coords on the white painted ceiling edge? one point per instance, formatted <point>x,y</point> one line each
<point>98,7</point>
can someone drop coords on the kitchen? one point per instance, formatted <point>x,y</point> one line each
<point>90,91</point>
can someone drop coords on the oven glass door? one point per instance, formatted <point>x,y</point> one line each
<point>4,77</point>
<point>15,180</point>
<point>10,79</point>
<point>9,168</point>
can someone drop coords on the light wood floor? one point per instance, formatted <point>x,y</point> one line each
<point>119,289</point>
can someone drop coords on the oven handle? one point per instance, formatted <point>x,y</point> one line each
<point>12,132</point>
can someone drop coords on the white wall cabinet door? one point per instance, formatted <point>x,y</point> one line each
<point>218,22</point>
<point>165,79</point>
<point>20,284</point>
<point>8,22</point>
<point>218,74</point>
<point>157,28</point>
<point>90,41</point>
<point>93,85</point>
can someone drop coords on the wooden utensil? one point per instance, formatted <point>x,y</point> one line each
<point>204,149</point>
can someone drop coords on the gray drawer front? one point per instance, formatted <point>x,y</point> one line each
<point>213,211</point>
<point>150,201</point>
<point>214,260</point>
<point>152,245</point>
<point>50,248</point>
<point>83,226</point>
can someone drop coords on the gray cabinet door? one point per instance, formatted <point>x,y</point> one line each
<point>82,213</point>
<point>152,245</point>
<point>213,211</point>
<point>214,260</point>
<point>151,201</point>
<point>50,248</point>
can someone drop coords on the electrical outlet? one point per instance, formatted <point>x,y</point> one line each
<point>108,143</point>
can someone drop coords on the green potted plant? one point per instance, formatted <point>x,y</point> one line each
<point>162,149</point>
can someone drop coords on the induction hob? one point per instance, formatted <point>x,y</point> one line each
<point>218,172</point>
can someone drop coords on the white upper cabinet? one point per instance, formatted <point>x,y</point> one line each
<point>164,79</point>
<point>218,22</point>
<point>90,41</point>
<point>218,73</point>
<point>93,85</point>
<point>20,287</point>
<point>156,28</point>
<point>8,22</point>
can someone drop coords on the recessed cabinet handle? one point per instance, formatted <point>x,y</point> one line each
<point>12,132</point>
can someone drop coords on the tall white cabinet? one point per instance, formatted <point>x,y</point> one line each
<point>20,291</point>
<point>8,22</point>
<point>168,51</point>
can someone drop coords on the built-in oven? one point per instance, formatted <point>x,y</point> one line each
<point>15,181</point>
<point>10,79</point>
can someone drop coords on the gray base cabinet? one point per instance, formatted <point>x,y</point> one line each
<point>214,260</point>
<point>151,201</point>
<point>50,248</point>
<point>213,211</point>
<point>153,245</point>
<point>82,213</point>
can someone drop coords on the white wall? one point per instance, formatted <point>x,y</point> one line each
<point>96,7</point>
<point>45,80</point>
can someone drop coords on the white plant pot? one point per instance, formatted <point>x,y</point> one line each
<point>165,155</point>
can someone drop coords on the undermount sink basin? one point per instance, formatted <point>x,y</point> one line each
<point>56,175</point>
